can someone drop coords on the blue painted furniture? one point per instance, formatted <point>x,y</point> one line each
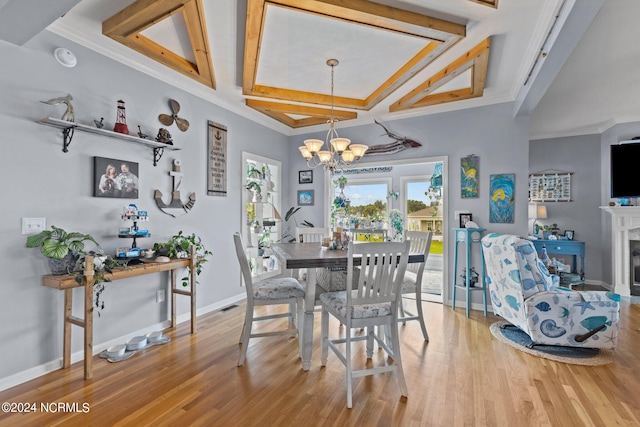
<point>564,247</point>
<point>468,236</point>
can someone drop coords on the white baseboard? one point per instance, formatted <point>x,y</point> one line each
<point>45,368</point>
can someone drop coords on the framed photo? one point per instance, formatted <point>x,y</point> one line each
<point>305,197</point>
<point>115,178</point>
<point>465,218</point>
<point>305,177</point>
<point>569,234</point>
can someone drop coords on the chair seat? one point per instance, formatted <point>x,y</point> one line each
<point>278,288</point>
<point>409,282</point>
<point>337,302</point>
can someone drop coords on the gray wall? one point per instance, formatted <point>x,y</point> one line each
<point>41,181</point>
<point>44,182</point>
<point>580,155</point>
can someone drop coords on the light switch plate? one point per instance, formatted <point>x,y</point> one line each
<point>33,225</point>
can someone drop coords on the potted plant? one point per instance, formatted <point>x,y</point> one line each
<point>179,246</point>
<point>287,235</point>
<point>102,265</point>
<point>256,191</point>
<point>62,248</point>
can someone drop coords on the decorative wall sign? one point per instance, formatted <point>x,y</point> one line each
<point>355,171</point>
<point>502,202</point>
<point>176,207</point>
<point>115,178</point>
<point>550,186</point>
<point>217,160</point>
<point>469,176</point>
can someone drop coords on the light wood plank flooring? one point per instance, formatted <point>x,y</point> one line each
<point>462,377</point>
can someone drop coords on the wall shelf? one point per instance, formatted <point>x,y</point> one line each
<point>68,129</point>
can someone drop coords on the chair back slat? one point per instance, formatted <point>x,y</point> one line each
<point>420,243</point>
<point>382,270</point>
<point>244,264</point>
<point>311,234</point>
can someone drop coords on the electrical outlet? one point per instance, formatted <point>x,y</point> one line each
<point>33,225</point>
<point>160,295</point>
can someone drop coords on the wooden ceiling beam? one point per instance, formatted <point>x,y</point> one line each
<point>477,59</point>
<point>314,115</point>
<point>126,26</point>
<point>439,36</point>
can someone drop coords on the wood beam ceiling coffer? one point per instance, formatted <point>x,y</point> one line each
<point>438,35</point>
<point>284,113</point>
<point>476,59</point>
<point>126,27</point>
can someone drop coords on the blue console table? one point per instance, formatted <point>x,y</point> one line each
<point>564,247</point>
<point>468,236</point>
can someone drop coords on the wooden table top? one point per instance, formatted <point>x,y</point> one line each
<point>313,255</point>
<point>68,281</point>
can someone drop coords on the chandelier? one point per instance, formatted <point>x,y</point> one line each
<point>339,152</point>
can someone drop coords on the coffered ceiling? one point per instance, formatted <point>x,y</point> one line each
<point>266,59</point>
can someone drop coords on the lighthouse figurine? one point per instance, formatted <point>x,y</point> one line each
<point>121,119</point>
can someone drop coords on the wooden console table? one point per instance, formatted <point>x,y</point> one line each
<point>67,282</point>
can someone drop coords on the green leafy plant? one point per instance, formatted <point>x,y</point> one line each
<point>287,235</point>
<point>102,266</point>
<point>56,243</point>
<point>179,246</point>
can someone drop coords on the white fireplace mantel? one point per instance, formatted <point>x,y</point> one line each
<point>623,220</point>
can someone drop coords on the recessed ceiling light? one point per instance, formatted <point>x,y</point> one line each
<point>65,57</point>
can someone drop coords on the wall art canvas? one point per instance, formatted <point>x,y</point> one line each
<point>502,201</point>
<point>115,178</point>
<point>216,159</point>
<point>469,177</point>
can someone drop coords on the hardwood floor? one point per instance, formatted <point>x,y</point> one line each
<point>462,377</point>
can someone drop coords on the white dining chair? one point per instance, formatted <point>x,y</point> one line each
<point>419,243</point>
<point>312,234</point>
<point>272,291</point>
<point>374,303</point>
<point>309,235</point>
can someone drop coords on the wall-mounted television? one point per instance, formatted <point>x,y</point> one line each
<point>625,159</point>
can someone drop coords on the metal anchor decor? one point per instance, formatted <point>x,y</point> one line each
<point>176,207</point>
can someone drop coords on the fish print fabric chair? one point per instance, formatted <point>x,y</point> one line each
<point>525,294</point>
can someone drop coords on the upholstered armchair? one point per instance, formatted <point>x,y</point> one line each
<point>525,294</point>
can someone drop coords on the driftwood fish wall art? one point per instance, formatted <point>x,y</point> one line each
<point>176,207</point>
<point>400,143</point>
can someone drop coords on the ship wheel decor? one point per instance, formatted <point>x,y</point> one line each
<point>168,120</point>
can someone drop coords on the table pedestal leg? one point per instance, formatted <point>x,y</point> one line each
<point>307,325</point>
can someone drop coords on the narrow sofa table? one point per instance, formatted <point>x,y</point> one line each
<point>67,282</point>
<point>312,256</point>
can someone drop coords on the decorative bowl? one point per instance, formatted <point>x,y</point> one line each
<point>116,350</point>
<point>136,343</point>
<point>154,336</point>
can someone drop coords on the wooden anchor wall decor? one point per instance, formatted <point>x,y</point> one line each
<point>176,207</point>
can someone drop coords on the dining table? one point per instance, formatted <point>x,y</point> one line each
<point>312,256</point>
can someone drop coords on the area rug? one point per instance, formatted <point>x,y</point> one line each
<point>573,355</point>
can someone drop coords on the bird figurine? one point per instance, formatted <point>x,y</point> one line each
<point>142,134</point>
<point>99,124</point>
<point>68,114</point>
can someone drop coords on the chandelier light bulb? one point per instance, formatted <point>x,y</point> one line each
<point>325,156</point>
<point>340,144</point>
<point>358,150</point>
<point>313,145</point>
<point>305,152</point>
<point>348,156</point>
